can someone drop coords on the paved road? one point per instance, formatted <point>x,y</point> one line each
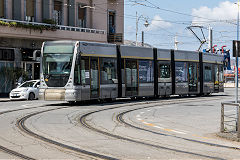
<point>164,129</point>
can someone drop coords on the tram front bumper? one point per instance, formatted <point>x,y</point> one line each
<point>52,94</point>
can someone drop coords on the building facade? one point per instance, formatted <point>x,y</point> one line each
<point>25,24</point>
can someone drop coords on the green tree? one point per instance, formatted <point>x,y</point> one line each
<point>10,75</point>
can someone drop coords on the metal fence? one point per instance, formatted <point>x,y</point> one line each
<point>230,121</point>
<point>60,27</point>
<point>117,37</point>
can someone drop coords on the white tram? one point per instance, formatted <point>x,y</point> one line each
<point>79,71</point>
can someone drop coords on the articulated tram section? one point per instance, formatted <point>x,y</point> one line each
<point>78,71</point>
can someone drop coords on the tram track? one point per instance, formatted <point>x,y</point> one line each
<point>120,119</point>
<point>12,152</point>
<point>21,125</point>
<point>83,121</point>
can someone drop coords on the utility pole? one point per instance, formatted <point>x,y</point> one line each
<point>176,43</point>
<point>210,39</point>
<point>143,38</point>
<point>146,24</point>
<point>136,28</point>
<point>236,71</point>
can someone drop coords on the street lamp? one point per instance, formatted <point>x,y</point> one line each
<point>236,71</point>
<point>146,24</point>
<point>87,7</point>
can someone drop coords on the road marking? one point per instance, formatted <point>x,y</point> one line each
<point>149,110</point>
<point>26,105</point>
<point>139,119</point>
<point>146,123</point>
<point>138,116</point>
<point>142,112</point>
<point>179,132</point>
<point>195,135</point>
<point>165,129</point>
<point>230,111</point>
<point>158,127</point>
<point>150,124</point>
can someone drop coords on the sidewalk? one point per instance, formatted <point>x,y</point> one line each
<point>4,99</point>
<point>229,85</point>
<point>230,136</point>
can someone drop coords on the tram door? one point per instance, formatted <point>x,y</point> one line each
<point>193,77</point>
<point>216,78</point>
<point>94,87</point>
<point>131,72</point>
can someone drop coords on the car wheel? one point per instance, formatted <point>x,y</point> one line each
<point>31,96</point>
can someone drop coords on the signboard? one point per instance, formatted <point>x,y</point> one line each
<point>236,48</point>
<point>58,49</point>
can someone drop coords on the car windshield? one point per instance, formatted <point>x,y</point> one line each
<point>27,84</point>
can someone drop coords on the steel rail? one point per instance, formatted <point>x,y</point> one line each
<point>84,122</point>
<point>12,152</point>
<point>21,125</point>
<point>120,119</point>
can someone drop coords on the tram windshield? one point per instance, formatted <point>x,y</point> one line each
<point>57,63</point>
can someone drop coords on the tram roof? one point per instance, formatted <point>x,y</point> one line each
<point>60,42</point>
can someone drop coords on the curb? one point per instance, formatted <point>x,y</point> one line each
<point>7,100</point>
<point>228,136</point>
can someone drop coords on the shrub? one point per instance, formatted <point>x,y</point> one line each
<point>28,26</point>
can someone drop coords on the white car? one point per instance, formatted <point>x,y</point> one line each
<point>29,90</point>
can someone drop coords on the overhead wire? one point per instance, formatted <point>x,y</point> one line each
<point>176,12</point>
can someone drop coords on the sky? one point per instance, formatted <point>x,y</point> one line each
<point>170,18</point>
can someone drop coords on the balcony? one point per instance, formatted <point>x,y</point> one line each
<point>23,29</point>
<point>114,38</point>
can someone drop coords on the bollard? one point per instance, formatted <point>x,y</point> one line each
<point>222,118</point>
<point>238,124</point>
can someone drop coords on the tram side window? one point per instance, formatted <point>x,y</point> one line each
<point>208,74</point>
<point>220,73</point>
<point>181,71</point>
<point>164,72</point>
<point>122,69</point>
<point>81,72</point>
<point>108,71</point>
<point>216,74</point>
<point>146,71</point>
<point>77,74</point>
<point>85,74</point>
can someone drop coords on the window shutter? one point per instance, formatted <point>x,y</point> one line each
<point>57,5</point>
<point>30,8</point>
<point>81,13</point>
<point>1,8</point>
